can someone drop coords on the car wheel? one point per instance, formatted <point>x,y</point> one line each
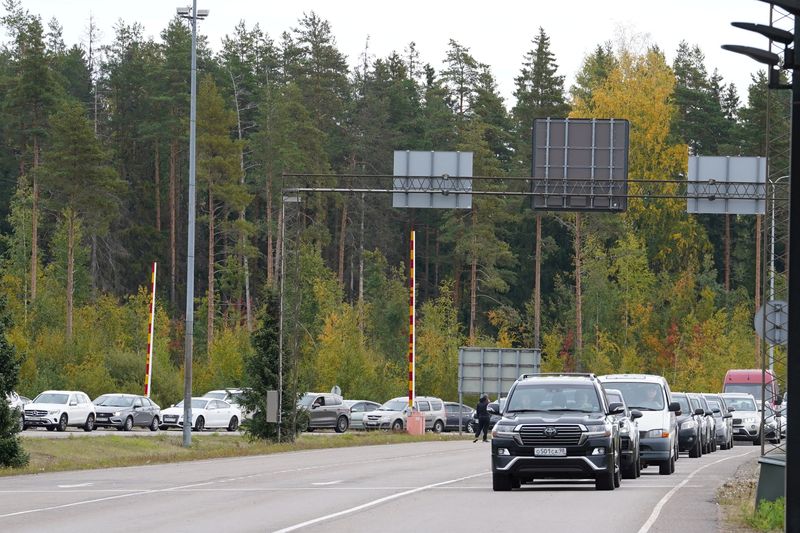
<point>62,423</point>
<point>695,452</point>
<point>397,425</point>
<point>629,471</point>
<point>128,425</point>
<point>667,467</point>
<point>22,425</point>
<point>617,470</point>
<point>89,425</point>
<point>342,423</point>
<point>501,482</point>
<point>470,428</point>
<point>757,441</point>
<point>200,425</point>
<point>638,465</point>
<point>604,481</point>
<point>233,425</point>
<point>154,424</point>
<point>438,426</point>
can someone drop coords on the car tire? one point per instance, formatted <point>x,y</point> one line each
<point>438,426</point>
<point>638,465</point>
<point>342,423</point>
<point>22,425</point>
<point>128,425</point>
<point>154,424</point>
<point>696,452</point>
<point>88,426</point>
<point>470,428</point>
<point>200,425</point>
<point>617,469</point>
<point>397,425</point>
<point>62,422</point>
<point>233,425</point>
<point>501,482</point>
<point>604,481</point>
<point>757,441</point>
<point>667,467</point>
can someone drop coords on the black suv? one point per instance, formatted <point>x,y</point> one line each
<point>556,426</point>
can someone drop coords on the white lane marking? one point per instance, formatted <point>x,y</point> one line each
<point>107,498</point>
<point>324,483</point>
<point>74,486</point>
<point>373,503</point>
<point>660,505</point>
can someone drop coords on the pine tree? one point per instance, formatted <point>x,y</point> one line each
<point>11,451</point>
<point>595,70</point>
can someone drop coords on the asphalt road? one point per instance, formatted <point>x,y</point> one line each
<point>428,486</point>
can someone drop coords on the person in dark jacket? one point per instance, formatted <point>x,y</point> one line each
<point>483,418</point>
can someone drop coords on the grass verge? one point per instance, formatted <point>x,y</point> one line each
<point>737,498</point>
<point>84,453</point>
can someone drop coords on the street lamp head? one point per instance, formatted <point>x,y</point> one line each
<point>762,56</point>
<point>773,34</point>
<point>202,13</point>
<point>184,12</point>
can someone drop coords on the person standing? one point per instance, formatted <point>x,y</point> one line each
<point>481,410</point>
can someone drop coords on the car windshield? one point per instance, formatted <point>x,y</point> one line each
<point>114,401</point>
<point>393,405</point>
<point>641,395</point>
<point>683,402</point>
<point>215,395</point>
<point>713,404</point>
<point>742,404</point>
<point>554,397</point>
<point>306,400</point>
<point>49,397</point>
<point>197,403</point>
<point>746,388</point>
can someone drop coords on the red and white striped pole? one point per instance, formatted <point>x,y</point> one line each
<point>148,369</point>
<point>412,329</point>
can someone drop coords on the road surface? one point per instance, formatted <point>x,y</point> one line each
<point>427,486</point>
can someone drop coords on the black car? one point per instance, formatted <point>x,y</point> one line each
<point>556,426</point>
<point>690,426</point>
<point>455,412</point>
<point>628,436</point>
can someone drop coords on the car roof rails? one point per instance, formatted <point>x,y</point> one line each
<point>560,374</point>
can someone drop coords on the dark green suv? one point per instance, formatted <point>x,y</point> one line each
<point>556,426</point>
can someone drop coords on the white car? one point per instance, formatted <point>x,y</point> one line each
<point>233,397</point>
<point>206,413</point>
<point>56,409</point>
<point>393,414</point>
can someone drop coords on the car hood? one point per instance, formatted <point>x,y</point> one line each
<point>110,409</point>
<point>46,406</point>
<point>177,411</point>
<point>746,414</point>
<point>654,420</point>
<point>554,418</point>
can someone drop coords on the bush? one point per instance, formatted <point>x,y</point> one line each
<point>769,516</point>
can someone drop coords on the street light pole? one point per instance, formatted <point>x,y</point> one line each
<point>189,326</point>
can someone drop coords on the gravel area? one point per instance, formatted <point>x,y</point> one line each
<point>736,497</point>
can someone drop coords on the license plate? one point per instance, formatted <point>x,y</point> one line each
<point>550,452</point>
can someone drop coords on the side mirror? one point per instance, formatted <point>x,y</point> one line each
<point>708,413</point>
<point>635,413</point>
<point>727,416</point>
<point>674,407</point>
<point>731,409</point>
<point>315,406</point>
<point>493,407</point>
<point>715,410</point>
<point>616,408</point>
<point>778,400</point>
<point>700,411</point>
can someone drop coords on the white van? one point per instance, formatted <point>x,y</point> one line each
<point>650,394</point>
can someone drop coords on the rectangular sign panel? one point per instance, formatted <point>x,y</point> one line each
<point>726,185</point>
<point>580,164</point>
<point>432,179</point>
<point>494,370</point>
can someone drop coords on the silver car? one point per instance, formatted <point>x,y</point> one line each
<point>124,411</point>
<point>358,408</point>
<point>392,415</point>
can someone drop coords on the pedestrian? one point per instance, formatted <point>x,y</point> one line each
<point>481,410</point>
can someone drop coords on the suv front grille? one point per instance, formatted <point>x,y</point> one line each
<point>550,435</point>
<point>35,412</point>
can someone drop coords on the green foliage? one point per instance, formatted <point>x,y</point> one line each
<point>769,516</point>
<point>11,452</point>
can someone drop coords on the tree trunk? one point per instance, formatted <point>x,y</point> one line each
<point>457,286</point>
<point>342,237</point>
<point>727,253</point>
<point>537,289</point>
<point>210,326</point>
<point>95,268</point>
<point>473,281</point>
<point>173,201</point>
<point>70,271</point>
<point>35,220</point>
<point>270,257</point>
<point>578,298</point>
<point>157,180</point>
<point>758,286</point>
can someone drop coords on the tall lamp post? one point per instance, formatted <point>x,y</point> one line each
<point>193,15</point>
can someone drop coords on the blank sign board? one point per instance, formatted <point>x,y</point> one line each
<point>432,179</point>
<point>580,164</point>
<point>494,370</point>
<point>718,183</point>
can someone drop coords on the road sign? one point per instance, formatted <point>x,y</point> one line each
<point>716,185</point>
<point>432,179</point>
<point>774,326</point>
<point>494,370</point>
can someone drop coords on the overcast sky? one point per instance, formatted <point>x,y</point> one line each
<point>497,33</point>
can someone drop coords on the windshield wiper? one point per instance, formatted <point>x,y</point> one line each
<point>645,408</point>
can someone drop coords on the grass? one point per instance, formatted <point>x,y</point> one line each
<point>84,453</point>
<point>769,516</point>
<point>737,499</point>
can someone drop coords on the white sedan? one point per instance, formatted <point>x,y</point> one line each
<point>206,413</point>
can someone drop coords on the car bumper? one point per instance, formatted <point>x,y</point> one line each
<point>577,464</point>
<point>40,422</point>
<point>113,421</point>
<point>377,425</point>
<point>655,450</point>
<point>743,433</point>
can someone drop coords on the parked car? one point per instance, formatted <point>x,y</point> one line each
<point>56,410</point>
<point>690,426</point>
<point>494,416</point>
<point>124,411</point>
<point>358,408</point>
<point>458,411</point>
<point>207,413</point>
<point>709,423</point>
<point>15,401</point>
<point>392,415</point>
<point>772,424</point>
<point>628,435</point>
<point>746,416</point>
<point>724,421</point>
<point>750,381</point>
<point>658,428</point>
<point>324,410</point>
<point>233,397</point>
<point>556,426</point>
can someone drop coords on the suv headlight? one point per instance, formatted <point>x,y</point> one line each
<point>750,420</point>
<point>689,424</point>
<point>53,412</point>
<point>117,413</point>
<point>503,430</point>
<point>603,430</point>
<point>656,434</point>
